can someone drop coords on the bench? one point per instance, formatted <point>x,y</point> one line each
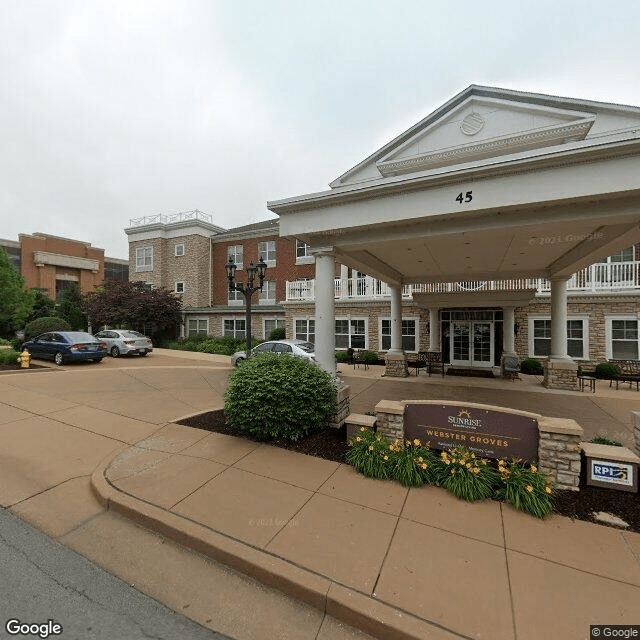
<point>629,372</point>
<point>511,367</point>
<point>431,361</point>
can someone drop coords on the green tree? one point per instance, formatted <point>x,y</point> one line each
<point>36,304</point>
<point>12,295</point>
<point>70,308</point>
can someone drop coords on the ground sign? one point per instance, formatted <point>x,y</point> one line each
<point>488,433</point>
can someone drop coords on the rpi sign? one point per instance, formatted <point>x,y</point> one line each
<point>613,472</point>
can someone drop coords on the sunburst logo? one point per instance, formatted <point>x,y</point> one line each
<point>464,413</point>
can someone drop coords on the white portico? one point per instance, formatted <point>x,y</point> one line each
<point>495,185</point>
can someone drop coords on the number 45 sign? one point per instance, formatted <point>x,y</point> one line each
<point>464,197</point>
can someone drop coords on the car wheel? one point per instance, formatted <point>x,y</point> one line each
<point>115,352</point>
<point>239,360</point>
<point>97,359</point>
<point>143,353</point>
<point>58,358</point>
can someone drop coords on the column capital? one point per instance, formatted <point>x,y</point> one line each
<point>559,279</point>
<point>325,250</point>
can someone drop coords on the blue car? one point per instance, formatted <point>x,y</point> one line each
<point>66,346</point>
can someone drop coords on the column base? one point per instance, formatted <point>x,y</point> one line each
<point>395,366</point>
<point>560,373</point>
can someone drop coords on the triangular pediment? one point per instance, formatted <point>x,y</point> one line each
<point>482,124</point>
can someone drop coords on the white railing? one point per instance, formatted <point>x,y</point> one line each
<point>162,218</point>
<point>602,277</point>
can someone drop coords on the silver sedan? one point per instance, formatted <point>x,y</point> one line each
<point>125,342</point>
<point>296,348</point>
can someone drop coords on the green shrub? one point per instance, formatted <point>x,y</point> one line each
<point>16,343</point>
<point>279,396</point>
<point>42,325</point>
<point>412,463</point>
<point>278,333</point>
<point>8,356</point>
<point>603,440</point>
<point>368,357</point>
<point>370,453</point>
<point>607,370</point>
<point>342,356</point>
<point>466,476</point>
<point>5,342</point>
<point>225,346</point>
<point>525,487</point>
<point>531,366</point>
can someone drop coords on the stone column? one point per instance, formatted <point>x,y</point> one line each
<point>434,329</point>
<point>396,360</point>
<point>560,371</point>
<point>325,309</point>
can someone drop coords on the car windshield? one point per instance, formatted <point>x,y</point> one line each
<point>132,334</point>
<point>307,347</point>
<point>79,336</point>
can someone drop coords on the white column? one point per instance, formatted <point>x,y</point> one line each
<point>508,332</point>
<point>325,309</point>
<point>559,319</point>
<point>344,281</point>
<point>396,320</point>
<point>434,329</point>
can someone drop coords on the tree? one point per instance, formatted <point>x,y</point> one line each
<point>70,308</point>
<point>40,305</point>
<point>12,295</point>
<point>133,304</point>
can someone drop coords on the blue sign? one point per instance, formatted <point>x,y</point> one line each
<point>612,472</point>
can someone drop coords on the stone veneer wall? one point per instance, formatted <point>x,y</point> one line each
<point>396,366</point>
<point>344,406</point>
<point>560,374</point>
<point>635,417</point>
<point>558,445</point>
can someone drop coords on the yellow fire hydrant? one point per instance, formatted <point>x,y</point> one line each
<point>25,359</point>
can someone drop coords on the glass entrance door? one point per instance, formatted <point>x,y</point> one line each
<point>471,344</point>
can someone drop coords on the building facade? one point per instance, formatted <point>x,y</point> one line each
<point>51,263</point>
<point>187,254</point>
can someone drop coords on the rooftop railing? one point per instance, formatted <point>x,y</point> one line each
<point>603,277</point>
<point>162,218</point>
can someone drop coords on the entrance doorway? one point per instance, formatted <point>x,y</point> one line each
<point>471,343</point>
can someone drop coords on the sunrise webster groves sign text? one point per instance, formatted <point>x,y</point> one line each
<point>488,433</point>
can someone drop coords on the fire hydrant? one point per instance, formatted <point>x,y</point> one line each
<point>25,359</point>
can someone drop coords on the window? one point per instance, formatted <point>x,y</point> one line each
<point>622,338</point>
<point>235,298</point>
<point>197,325</point>
<point>409,333</point>
<point>268,293</point>
<point>577,338</point>
<point>303,253</point>
<point>144,259</point>
<point>269,324</point>
<point>235,253</point>
<point>179,287</point>
<point>305,329</point>
<point>267,251</point>
<point>626,255</point>
<point>235,327</point>
<point>351,333</point>
<point>179,250</point>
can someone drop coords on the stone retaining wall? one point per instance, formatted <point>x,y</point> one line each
<point>396,366</point>
<point>343,409</point>
<point>560,374</point>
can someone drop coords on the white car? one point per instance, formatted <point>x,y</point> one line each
<point>297,348</point>
<point>123,342</point>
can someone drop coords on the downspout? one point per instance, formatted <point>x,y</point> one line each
<point>210,268</point>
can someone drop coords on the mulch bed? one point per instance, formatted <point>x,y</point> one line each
<point>331,444</point>
<point>13,367</point>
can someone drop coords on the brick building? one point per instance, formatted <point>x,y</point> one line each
<point>186,253</point>
<point>51,263</point>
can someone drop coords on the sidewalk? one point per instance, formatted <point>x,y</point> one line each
<point>394,562</point>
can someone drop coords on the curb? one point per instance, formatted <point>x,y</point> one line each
<point>347,605</point>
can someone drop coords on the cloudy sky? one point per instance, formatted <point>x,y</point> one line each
<point>121,109</point>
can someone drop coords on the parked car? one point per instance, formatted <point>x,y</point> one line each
<point>125,342</point>
<point>66,346</point>
<point>297,348</point>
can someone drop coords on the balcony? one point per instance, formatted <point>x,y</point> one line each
<point>602,277</point>
<point>161,218</point>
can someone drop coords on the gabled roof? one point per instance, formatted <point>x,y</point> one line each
<point>481,123</point>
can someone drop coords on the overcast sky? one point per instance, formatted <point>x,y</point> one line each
<point>120,109</point>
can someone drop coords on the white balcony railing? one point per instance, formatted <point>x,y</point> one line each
<point>603,277</point>
<point>161,218</point>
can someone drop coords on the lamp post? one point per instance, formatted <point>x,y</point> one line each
<point>247,289</point>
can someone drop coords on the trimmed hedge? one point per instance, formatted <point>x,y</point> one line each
<point>42,325</point>
<point>531,366</point>
<point>279,333</point>
<point>607,370</point>
<point>279,396</point>
<point>8,356</point>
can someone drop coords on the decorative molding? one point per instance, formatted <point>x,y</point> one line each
<point>488,148</point>
<point>43,258</point>
<point>472,124</point>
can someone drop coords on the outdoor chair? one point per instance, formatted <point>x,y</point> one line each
<point>629,372</point>
<point>434,362</point>
<point>511,367</point>
<point>417,362</point>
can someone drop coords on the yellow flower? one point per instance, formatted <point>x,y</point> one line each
<point>420,459</point>
<point>548,490</point>
<point>370,447</point>
<point>363,428</point>
<point>424,466</point>
<point>386,457</point>
<point>417,442</point>
<point>476,470</point>
<point>468,465</point>
<point>534,468</point>
<point>358,439</point>
<point>461,462</point>
<point>501,462</point>
<point>529,488</point>
<point>447,462</point>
